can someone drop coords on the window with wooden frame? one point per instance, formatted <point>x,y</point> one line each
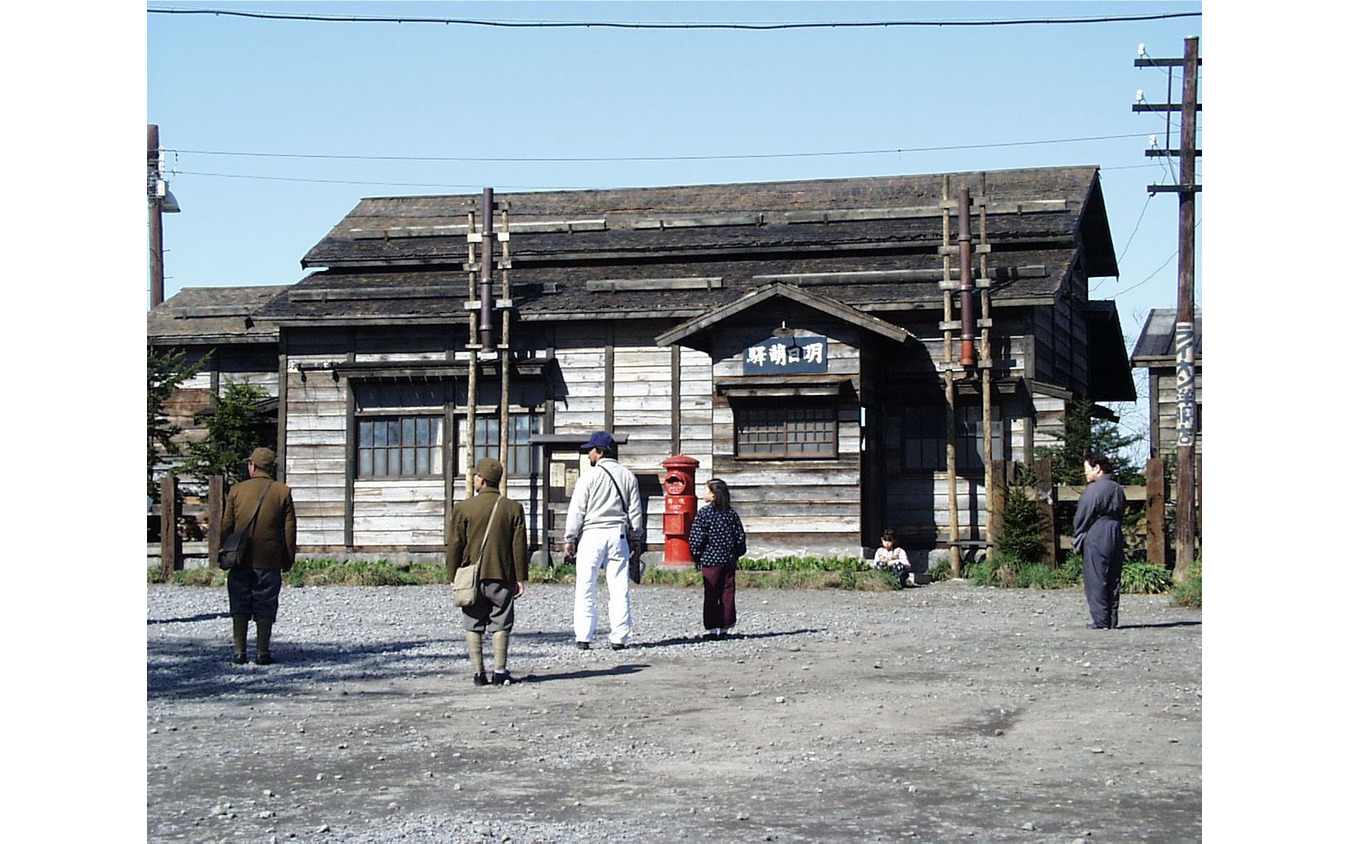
<point>399,428</point>
<point>925,437</point>
<point>803,428</point>
<point>521,457</point>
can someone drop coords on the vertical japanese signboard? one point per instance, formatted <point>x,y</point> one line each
<point>1185,384</point>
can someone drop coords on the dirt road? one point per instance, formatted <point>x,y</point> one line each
<point>943,713</point>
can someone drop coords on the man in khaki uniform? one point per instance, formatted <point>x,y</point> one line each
<point>255,588</point>
<point>490,529</point>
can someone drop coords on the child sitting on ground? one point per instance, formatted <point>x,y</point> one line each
<point>891,557</point>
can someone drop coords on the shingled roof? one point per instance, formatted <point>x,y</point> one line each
<point>212,314</point>
<point>676,252</point>
<point>1157,344</point>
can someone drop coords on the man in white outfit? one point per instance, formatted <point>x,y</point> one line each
<point>605,528</point>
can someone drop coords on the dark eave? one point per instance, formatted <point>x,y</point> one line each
<point>695,332</point>
<point>1157,345</point>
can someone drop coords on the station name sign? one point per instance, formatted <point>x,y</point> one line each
<point>787,354</point>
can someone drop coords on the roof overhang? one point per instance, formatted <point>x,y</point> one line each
<point>1110,377</point>
<point>696,332</point>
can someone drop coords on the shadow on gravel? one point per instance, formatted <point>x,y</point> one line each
<point>616,671</point>
<point>731,637</point>
<point>205,616</point>
<point>1164,624</point>
<point>196,668</point>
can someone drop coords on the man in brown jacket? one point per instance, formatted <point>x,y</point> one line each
<point>490,529</point>
<point>254,588</point>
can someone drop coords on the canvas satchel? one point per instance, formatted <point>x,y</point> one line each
<point>236,551</point>
<point>467,576</point>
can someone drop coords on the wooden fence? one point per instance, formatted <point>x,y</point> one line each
<point>1153,496</point>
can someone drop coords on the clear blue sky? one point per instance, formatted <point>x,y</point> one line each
<point>407,90</point>
<point>85,78</point>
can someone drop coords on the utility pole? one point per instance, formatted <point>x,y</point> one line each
<point>1185,323</point>
<point>152,183</point>
<point>161,202</point>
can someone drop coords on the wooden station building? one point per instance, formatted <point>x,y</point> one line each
<point>847,354</point>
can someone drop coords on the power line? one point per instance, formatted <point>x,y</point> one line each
<point>1137,223</point>
<point>349,181</point>
<point>634,158</point>
<point>654,25</point>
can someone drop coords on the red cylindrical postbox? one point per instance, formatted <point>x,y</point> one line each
<point>681,505</point>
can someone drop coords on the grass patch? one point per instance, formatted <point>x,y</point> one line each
<point>776,573</point>
<point>1145,579</point>
<point>1187,593</point>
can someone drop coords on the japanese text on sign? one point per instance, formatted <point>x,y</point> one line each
<point>788,354</point>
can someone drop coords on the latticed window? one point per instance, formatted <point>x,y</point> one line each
<point>805,429</point>
<point>925,435</point>
<point>400,428</point>
<point>399,446</point>
<point>521,457</point>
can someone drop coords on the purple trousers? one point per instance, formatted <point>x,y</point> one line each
<point>719,596</point>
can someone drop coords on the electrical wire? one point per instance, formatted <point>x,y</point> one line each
<point>693,25</point>
<point>357,182</point>
<point>639,158</point>
<point>1137,223</point>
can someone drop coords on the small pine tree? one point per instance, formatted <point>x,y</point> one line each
<point>164,373</point>
<point>234,427</point>
<point>1083,433</point>
<point>1023,523</point>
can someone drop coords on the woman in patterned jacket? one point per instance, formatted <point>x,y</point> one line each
<point>717,541</point>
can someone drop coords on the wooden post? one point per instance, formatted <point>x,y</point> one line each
<point>156,218</point>
<point>215,511</point>
<point>997,493</point>
<point>1155,509</point>
<point>170,547</point>
<point>1045,505</point>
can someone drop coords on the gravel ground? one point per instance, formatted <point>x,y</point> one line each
<point>943,713</point>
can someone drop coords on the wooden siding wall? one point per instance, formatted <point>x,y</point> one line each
<point>1061,353</point>
<point>385,513</point>
<point>316,451</point>
<point>793,506</point>
<point>638,400</point>
<point>390,512</point>
<point>614,372</point>
<point>1163,411</point>
<point>917,503</point>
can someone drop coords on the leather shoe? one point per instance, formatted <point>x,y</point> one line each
<point>503,678</point>
<point>264,659</point>
<point>480,679</point>
<point>583,646</point>
<point>617,646</point>
<point>239,659</point>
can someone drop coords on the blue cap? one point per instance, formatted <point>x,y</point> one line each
<point>601,440</point>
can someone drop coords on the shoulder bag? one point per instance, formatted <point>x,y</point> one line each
<point>466,576</point>
<point>636,547</point>
<point>237,549</point>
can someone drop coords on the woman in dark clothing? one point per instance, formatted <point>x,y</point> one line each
<point>717,541</point>
<point>1096,529</point>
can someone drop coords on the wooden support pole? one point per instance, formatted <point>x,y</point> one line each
<point>1155,510</point>
<point>170,546</point>
<point>948,312</point>
<point>215,512</point>
<point>996,496</point>
<point>1046,498</point>
<point>1185,324</point>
